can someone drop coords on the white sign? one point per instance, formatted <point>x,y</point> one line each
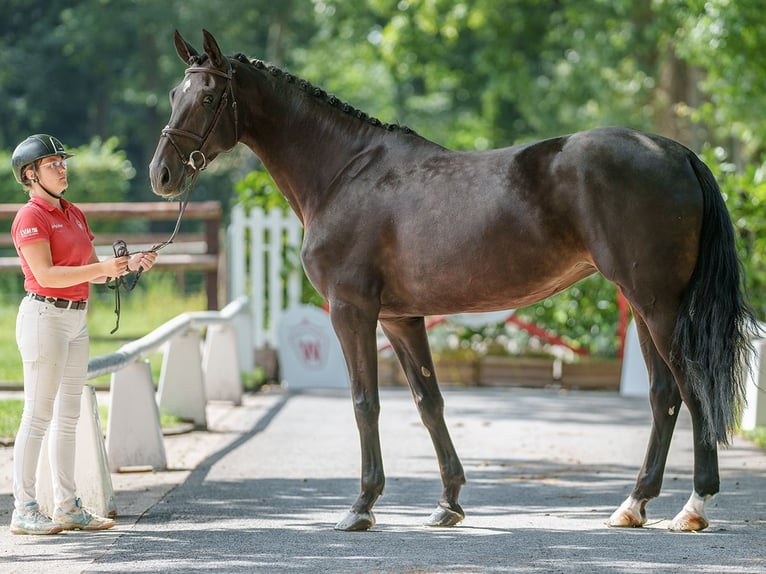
<point>309,352</point>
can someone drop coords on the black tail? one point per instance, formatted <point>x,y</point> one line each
<point>712,338</point>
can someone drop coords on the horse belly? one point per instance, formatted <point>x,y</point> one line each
<point>467,277</point>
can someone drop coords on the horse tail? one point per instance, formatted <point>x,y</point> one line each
<point>712,339</point>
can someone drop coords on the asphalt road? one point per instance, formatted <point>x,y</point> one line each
<point>261,490</point>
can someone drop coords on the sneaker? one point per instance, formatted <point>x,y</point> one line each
<point>80,519</point>
<point>32,521</point>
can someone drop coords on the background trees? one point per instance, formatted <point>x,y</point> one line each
<point>469,74</point>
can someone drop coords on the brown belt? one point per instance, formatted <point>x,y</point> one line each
<point>60,303</point>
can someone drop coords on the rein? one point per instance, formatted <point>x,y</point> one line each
<point>120,247</point>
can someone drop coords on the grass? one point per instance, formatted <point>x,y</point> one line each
<point>10,415</point>
<point>758,436</point>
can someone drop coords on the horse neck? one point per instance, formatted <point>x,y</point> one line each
<point>302,141</point>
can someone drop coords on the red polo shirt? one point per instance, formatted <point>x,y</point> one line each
<point>67,232</point>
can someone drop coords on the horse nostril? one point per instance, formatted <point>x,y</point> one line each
<point>164,176</point>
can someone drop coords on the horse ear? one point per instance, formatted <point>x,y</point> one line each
<point>184,49</point>
<point>212,50</point>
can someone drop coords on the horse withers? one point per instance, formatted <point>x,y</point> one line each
<point>397,227</point>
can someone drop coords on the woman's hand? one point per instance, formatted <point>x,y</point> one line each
<point>142,261</point>
<point>115,266</point>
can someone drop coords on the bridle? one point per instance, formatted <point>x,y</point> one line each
<point>169,132</point>
<point>190,161</point>
<point>196,161</point>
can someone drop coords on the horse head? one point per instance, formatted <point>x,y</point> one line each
<point>203,120</point>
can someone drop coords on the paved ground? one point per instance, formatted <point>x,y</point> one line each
<point>261,490</point>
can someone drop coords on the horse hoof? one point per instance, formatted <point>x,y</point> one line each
<point>625,518</point>
<point>444,517</point>
<point>354,521</point>
<point>686,521</point>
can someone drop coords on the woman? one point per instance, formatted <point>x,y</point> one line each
<point>59,261</point>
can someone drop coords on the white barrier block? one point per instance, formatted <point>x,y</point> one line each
<point>243,332</point>
<point>94,483</point>
<point>133,432</point>
<point>754,413</point>
<point>220,365</point>
<point>182,388</point>
<point>634,378</point>
<point>309,352</point>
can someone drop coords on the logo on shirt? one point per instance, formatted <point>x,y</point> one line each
<point>57,226</point>
<point>26,231</point>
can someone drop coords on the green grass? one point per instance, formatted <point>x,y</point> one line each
<point>10,415</point>
<point>758,436</point>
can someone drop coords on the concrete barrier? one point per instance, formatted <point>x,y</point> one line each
<point>634,378</point>
<point>181,389</point>
<point>221,365</point>
<point>133,433</point>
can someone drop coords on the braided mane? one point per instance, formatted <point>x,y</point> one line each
<point>320,94</point>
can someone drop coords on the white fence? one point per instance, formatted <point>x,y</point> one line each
<point>264,265</point>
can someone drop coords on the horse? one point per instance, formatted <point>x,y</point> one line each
<point>397,228</point>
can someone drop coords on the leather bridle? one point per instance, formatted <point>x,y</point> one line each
<point>198,154</point>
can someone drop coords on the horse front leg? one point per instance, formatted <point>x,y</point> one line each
<point>410,342</point>
<point>356,332</point>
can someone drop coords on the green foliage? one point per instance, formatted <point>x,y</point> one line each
<point>257,189</point>
<point>725,40</point>
<point>745,193</point>
<point>100,172</point>
<point>586,314</point>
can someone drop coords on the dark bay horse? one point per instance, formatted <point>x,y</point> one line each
<point>397,228</point>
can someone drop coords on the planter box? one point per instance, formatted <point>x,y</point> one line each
<point>515,371</point>
<point>592,374</point>
<point>390,373</point>
<point>498,371</point>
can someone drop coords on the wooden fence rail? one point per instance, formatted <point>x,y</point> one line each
<point>189,251</point>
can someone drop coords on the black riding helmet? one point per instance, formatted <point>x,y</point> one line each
<point>33,148</point>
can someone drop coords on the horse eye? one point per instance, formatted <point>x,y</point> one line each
<point>207,100</point>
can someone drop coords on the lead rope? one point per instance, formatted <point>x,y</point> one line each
<point>120,249</point>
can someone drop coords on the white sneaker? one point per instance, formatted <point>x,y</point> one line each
<point>32,521</point>
<point>80,519</point>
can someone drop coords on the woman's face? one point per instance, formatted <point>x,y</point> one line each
<point>52,173</point>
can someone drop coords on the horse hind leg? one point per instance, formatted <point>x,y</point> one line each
<point>692,518</point>
<point>410,342</point>
<point>665,400</point>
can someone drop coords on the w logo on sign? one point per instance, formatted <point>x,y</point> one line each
<point>309,344</point>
